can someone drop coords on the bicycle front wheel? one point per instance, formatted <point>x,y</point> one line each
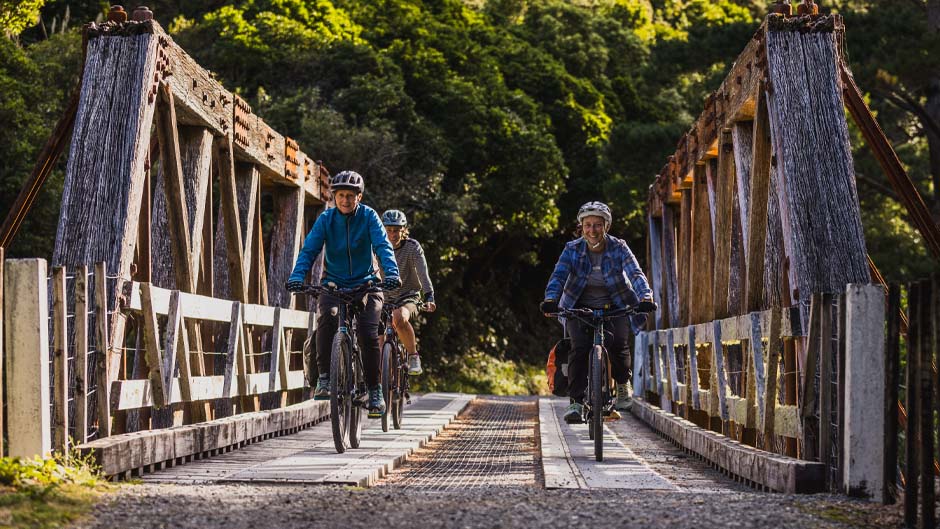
<point>388,372</point>
<point>340,392</point>
<point>598,382</point>
<point>400,386</point>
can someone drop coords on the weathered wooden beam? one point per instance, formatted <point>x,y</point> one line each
<point>156,371</point>
<point>775,350</point>
<point>286,241</point>
<point>685,258</point>
<point>757,212</point>
<point>809,405</point>
<point>230,223</point>
<point>825,380</point>
<point>656,272</point>
<point>725,190</point>
<point>60,378</point>
<point>103,365</point>
<point>701,274</point>
<point>670,278</point>
<point>80,351</point>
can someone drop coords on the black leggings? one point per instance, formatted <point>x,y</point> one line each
<point>367,332</point>
<point>616,333</point>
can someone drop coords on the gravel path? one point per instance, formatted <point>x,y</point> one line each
<point>447,485</point>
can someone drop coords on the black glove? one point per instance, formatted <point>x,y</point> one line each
<point>391,283</point>
<point>295,286</point>
<point>646,306</point>
<point>548,306</point>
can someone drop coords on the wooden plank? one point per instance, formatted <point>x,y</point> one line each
<point>656,272</point>
<point>685,258</point>
<point>892,381</point>
<point>693,362</point>
<point>809,404</point>
<point>80,351</point>
<point>657,371</point>
<point>725,191</point>
<point>286,241</point>
<point>177,346</point>
<point>135,394</point>
<point>773,471</point>
<point>670,277</point>
<point>757,214</point>
<point>673,378</point>
<point>157,373</point>
<point>102,349</point>
<point>278,355</point>
<point>719,378</point>
<point>234,354</point>
<point>60,378</point>
<point>775,350</point>
<point>701,274</point>
<point>230,222</point>
<point>175,190</point>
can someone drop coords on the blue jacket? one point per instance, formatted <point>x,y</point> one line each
<point>625,280</point>
<point>350,241</point>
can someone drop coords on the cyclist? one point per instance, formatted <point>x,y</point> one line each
<point>414,274</point>
<point>350,233</point>
<point>597,271</point>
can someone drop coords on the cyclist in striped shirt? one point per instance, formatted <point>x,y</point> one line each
<point>413,268</point>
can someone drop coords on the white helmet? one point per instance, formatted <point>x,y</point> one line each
<point>350,180</point>
<point>595,209</point>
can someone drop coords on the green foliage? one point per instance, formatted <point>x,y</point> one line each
<point>489,122</point>
<point>17,15</point>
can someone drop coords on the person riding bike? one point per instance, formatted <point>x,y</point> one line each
<point>414,274</point>
<point>597,271</point>
<point>350,233</point>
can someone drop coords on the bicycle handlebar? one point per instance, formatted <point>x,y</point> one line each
<point>345,294</point>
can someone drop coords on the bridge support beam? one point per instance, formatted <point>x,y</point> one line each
<point>863,439</point>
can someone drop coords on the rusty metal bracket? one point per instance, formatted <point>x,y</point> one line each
<point>291,164</point>
<point>240,116</point>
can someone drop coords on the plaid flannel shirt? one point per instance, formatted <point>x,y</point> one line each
<point>625,280</point>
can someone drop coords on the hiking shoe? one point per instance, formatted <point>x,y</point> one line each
<point>573,413</point>
<point>624,397</point>
<point>414,364</point>
<point>376,403</point>
<point>322,392</point>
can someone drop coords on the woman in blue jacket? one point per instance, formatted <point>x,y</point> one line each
<point>350,233</point>
<point>597,271</point>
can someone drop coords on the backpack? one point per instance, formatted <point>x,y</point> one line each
<point>557,368</point>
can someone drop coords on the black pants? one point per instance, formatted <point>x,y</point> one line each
<point>616,334</point>
<point>367,332</point>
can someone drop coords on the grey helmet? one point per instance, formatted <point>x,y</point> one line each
<point>394,217</point>
<point>595,209</point>
<point>350,180</point>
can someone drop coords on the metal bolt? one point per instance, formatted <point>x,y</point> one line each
<point>142,14</point>
<point>117,14</point>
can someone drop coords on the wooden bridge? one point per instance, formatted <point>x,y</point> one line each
<point>170,336</point>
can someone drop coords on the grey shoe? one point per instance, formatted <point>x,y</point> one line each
<point>322,391</point>
<point>624,397</point>
<point>414,364</point>
<point>376,403</point>
<point>573,413</point>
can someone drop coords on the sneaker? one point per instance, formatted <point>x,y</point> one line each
<point>414,364</point>
<point>322,391</point>
<point>376,403</point>
<point>624,397</point>
<point>573,413</point>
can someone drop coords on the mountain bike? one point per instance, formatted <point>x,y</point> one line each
<point>348,392</point>
<point>600,389</point>
<point>395,365</point>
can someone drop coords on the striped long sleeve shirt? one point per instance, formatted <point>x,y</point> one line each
<point>413,268</point>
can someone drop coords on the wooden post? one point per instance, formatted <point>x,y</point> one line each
<point>657,372</point>
<point>60,379</point>
<point>26,312</point>
<point>775,345</point>
<point>159,380</point>
<point>670,279</point>
<point>693,369</point>
<point>3,355</point>
<point>719,382</point>
<point>808,407</point>
<point>639,364</point>
<point>656,267</point>
<point>685,257</point>
<point>701,273</point>
<point>892,381</point>
<point>673,378</point>
<point>81,354</point>
<point>103,374</point>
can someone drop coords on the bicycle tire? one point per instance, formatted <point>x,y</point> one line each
<point>355,408</point>
<point>388,369</point>
<point>597,400</point>
<point>401,384</point>
<point>340,396</point>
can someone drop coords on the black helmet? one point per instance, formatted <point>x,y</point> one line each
<point>350,180</point>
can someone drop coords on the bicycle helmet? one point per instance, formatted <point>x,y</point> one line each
<point>350,180</point>
<point>394,217</point>
<point>595,209</point>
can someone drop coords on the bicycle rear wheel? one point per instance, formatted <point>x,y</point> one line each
<point>389,368</point>
<point>598,382</point>
<point>340,392</point>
